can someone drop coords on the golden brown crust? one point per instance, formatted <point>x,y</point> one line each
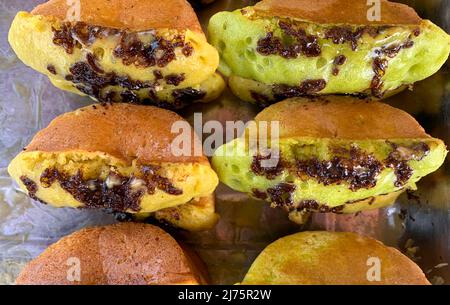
<point>135,15</point>
<point>338,11</point>
<point>120,254</point>
<point>341,117</point>
<point>124,131</point>
<point>335,258</point>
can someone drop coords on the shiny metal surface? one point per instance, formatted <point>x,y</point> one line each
<point>419,225</point>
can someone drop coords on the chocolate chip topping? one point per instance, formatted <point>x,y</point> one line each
<point>269,172</point>
<point>115,192</point>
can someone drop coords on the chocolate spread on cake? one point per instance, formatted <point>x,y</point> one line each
<point>115,192</point>
<point>269,172</point>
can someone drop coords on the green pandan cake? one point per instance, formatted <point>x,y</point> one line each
<point>336,154</point>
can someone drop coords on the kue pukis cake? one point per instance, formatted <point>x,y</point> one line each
<point>331,258</point>
<point>336,154</point>
<point>118,157</point>
<point>103,257</point>
<point>285,48</point>
<point>137,51</point>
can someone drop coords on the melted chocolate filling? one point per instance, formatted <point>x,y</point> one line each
<point>399,157</point>
<point>51,69</point>
<point>312,205</point>
<point>380,64</point>
<point>116,192</point>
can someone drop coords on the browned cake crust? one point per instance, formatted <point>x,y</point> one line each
<point>135,15</point>
<point>338,11</point>
<point>124,131</point>
<point>120,254</point>
<point>341,117</point>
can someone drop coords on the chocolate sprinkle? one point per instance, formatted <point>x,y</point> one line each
<point>269,172</point>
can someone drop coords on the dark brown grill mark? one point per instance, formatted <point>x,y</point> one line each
<point>116,192</point>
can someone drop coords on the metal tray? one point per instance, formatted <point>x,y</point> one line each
<point>418,225</point>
